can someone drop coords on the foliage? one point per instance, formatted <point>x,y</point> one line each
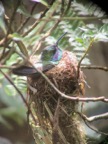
<point>12,105</point>
<point>83,22</point>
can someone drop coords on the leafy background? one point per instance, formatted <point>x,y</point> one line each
<point>25,23</point>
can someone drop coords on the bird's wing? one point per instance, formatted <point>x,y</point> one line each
<point>29,71</point>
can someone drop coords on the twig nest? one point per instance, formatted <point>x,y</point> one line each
<point>59,115</point>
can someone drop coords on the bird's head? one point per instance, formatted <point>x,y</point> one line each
<point>52,53</point>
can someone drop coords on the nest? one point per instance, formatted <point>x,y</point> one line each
<point>56,117</point>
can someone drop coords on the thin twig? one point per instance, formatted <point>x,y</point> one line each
<point>96,117</point>
<point>31,28</point>
<point>6,67</point>
<point>56,122</point>
<point>38,20</point>
<point>22,48</point>
<point>68,6</point>
<point>91,119</point>
<point>20,93</point>
<point>95,129</point>
<point>49,14</point>
<point>7,55</point>
<point>62,7</point>
<point>9,27</point>
<point>90,45</point>
<point>27,19</point>
<point>51,119</point>
<point>39,43</point>
<point>95,67</point>
<point>71,18</point>
<point>2,42</point>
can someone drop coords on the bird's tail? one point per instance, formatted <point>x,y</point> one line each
<point>24,71</point>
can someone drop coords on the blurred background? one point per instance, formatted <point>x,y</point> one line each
<point>14,128</point>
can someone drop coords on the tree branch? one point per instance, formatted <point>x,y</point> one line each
<point>20,93</point>
<point>96,117</point>
<point>95,67</point>
<point>27,19</point>
<point>9,26</point>
<point>37,21</point>
<point>92,119</point>
<point>90,45</point>
<point>38,44</point>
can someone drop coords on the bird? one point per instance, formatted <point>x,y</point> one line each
<point>55,63</point>
<point>52,110</point>
<point>49,58</point>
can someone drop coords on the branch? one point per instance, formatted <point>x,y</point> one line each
<point>22,48</point>
<point>38,20</point>
<point>90,45</point>
<point>7,55</point>
<point>6,67</point>
<point>27,19</point>
<point>68,6</point>
<point>95,129</point>
<point>93,118</point>
<point>9,27</point>
<point>38,44</point>
<point>20,93</point>
<point>73,18</point>
<point>51,119</point>
<point>95,67</point>
<point>98,117</point>
<point>2,42</point>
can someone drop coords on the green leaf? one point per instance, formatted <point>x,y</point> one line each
<point>42,2</point>
<point>101,37</point>
<point>104,28</point>
<point>83,29</point>
<point>80,40</point>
